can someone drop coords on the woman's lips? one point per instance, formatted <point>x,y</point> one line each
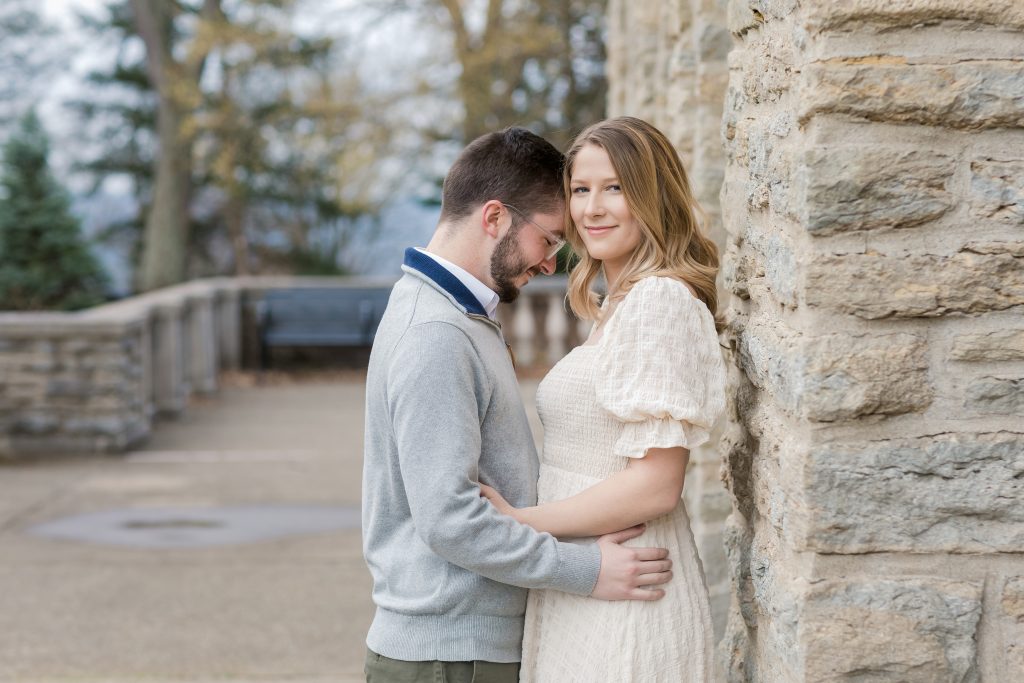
<point>599,229</point>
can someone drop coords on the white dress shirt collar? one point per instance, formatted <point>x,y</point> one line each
<point>487,297</point>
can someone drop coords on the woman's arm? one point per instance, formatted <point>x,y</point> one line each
<point>647,488</point>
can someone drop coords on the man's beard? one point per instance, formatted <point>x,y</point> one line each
<point>507,265</point>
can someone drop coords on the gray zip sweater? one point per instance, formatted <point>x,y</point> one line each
<point>443,411</point>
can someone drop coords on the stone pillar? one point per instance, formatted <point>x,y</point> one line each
<point>874,264</point>
<point>228,326</point>
<point>170,377</point>
<point>874,203</point>
<point>202,342</point>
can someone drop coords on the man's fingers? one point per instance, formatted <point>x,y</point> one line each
<point>654,579</point>
<point>625,534</point>
<point>655,567</point>
<point>648,554</point>
<point>644,594</point>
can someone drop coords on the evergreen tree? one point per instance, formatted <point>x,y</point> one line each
<point>44,262</point>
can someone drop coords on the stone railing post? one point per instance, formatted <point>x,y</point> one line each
<point>202,340</point>
<point>538,325</point>
<point>171,387</point>
<point>229,325</point>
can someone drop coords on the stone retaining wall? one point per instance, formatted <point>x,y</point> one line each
<point>93,381</point>
<point>874,207</point>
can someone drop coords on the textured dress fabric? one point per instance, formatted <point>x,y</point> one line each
<point>654,379</point>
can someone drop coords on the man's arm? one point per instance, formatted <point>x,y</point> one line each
<point>437,388</point>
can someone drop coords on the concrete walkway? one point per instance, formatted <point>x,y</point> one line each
<point>291,609</point>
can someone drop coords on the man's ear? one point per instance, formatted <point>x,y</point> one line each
<point>491,217</point>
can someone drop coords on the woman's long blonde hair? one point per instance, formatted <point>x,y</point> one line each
<point>658,194</point>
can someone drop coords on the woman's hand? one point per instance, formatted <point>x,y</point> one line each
<point>504,507</point>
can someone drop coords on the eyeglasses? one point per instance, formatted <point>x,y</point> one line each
<point>555,243</point>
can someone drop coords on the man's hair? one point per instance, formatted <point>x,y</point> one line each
<point>513,166</point>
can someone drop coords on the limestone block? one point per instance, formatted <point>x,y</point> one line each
<point>822,15</point>
<point>912,630</point>
<point>970,95</point>
<point>70,387</point>
<point>103,425</point>
<point>42,357</point>
<point>44,422</point>
<point>996,395</point>
<point>997,190</point>
<point>952,492</point>
<point>732,119</point>
<point>108,403</point>
<point>977,279</point>
<point>1012,604</point>
<point>847,376</point>
<point>867,188</point>
<point>742,17</point>
<point>769,163</point>
<point>989,346</point>
<point>836,377</point>
<point>737,268</point>
<point>769,70</point>
<point>777,265</point>
<point>1013,598</point>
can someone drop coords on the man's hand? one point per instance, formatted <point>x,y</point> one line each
<point>497,500</point>
<point>626,572</point>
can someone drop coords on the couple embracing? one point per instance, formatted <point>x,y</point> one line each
<point>488,564</point>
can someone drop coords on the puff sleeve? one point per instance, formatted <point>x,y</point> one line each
<point>661,370</point>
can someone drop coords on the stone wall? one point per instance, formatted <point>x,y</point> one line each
<point>874,206</point>
<point>92,382</point>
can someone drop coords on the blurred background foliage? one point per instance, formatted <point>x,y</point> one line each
<point>272,136</point>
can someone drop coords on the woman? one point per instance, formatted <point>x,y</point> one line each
<point>621,411</point>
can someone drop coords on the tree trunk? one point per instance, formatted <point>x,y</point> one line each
<point>165,240</point>
<point>234,217</point>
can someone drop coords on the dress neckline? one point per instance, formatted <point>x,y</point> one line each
<point>607,326</point>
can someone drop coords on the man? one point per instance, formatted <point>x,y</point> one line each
<point>443,412</point>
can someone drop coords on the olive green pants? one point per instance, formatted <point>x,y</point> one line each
<point>380,669</point>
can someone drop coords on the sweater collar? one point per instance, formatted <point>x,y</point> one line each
<point>444,279</point>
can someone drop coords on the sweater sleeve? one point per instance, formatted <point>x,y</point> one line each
<point>437,394</point>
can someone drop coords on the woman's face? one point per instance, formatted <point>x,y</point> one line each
<point>600,212</point>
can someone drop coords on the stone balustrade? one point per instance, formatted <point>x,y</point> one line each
<point>539,326</point>
<point>95,381</point>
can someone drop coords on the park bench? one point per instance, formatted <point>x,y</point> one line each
<point>327,316</point>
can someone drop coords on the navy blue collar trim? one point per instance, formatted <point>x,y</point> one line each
<point>445,280</point>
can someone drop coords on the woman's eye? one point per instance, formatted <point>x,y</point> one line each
<point>579,190</point>
<point>614,188</point>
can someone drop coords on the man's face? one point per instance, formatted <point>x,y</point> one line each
<point>522,253</point>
